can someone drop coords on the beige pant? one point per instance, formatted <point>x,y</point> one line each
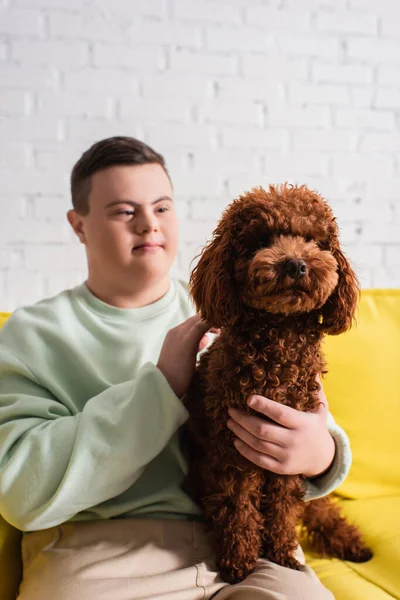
<point>138,559</point>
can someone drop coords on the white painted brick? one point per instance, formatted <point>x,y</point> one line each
<point>176,34</point>
<point>93,130</point>
<point>263,16</point>
<point>59,158</point>
<point>227,162</point>
<point>14,156</point>
<point>380,190</point>
<point>180,136</point>
<point>332,140</point>
<point>228,39</point>
<point>195,184</point>
<point>350,165</point>
<point>374,50</point>
<point>48,258</point>
<point>62,54</point>
<point>331,4</point>
<point>101,81</point>
<point>386,98</point>
<point>29,128</point>
<point>389,75</point>
<point>365,256</point>
<point>207,11</point>
<point>123,56</point>
<point>213,64</point>
<point>274,68</point>
<point>376,232</point>
<point>19,77</point>
<point>244,182</point>
<point>392,256</point>
<point>129,9</point>
<point>287,115</point>
<point>294,166</point>
<point>243,112</point>
<point>20,22</point>
<point>14,102</point>
<point>176,85</point>
<point>11,257</point>
<point>269,92</point>
<point>51,208</point>
<point>28,232</point>
<point>380,142</point>
<point>56,282</point>
<point>349,234</point>
<point>197,231</point>
<point>342,73</point>
<point>63,104</point>
<point>366,210</point>
<point>152,110</point>
<point>14,207</point>
<point>23,288</point>
<point>32,182</point>
<point>71,5</point>
<point>390,23</point>
<point>383,5</point>
<point>84,26</point>
<point>266,139</point>
<point>362,97</point>
<point>207,210</point>
<point>385,277</point>
<point>318,46</point>
<point>3,51</point>
<point>318,94</point>
<point>364,119</point>
<point>347,21</point>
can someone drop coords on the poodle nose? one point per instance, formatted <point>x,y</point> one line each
<point>296,268</point>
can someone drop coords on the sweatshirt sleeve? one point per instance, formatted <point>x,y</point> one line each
<point>54,464</point>
<point>327,483</point>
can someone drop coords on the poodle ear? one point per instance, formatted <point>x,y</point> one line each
<point>339,310</point>
<point>212,283</point>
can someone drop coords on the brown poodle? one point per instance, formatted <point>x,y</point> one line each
<point>274,280</point>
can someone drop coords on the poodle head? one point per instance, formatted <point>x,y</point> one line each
<point>276,251</point>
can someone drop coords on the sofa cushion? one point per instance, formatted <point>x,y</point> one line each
<point>379,578</point>
<point>363,390</point>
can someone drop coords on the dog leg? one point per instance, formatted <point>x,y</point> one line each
<point>281,507</point>
<point>231,508</point>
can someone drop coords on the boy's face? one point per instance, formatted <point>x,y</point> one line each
<point>131,231</point>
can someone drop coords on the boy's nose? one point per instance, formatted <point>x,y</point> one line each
<point>146,223</point>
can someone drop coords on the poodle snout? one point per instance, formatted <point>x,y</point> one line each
<point>296,268</point>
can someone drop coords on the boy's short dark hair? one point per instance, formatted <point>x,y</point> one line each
<point>118,150</point>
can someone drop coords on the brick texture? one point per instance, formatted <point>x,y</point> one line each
<point>235,93</point>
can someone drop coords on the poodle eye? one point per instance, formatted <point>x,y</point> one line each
<point>308,238</point>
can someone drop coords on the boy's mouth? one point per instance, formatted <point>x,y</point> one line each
<point>147,246</point>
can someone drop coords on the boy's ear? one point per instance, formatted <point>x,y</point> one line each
<point>77,224</point>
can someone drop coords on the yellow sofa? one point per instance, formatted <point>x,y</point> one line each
<point>363,389</point>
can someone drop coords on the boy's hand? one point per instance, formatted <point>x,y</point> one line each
<point>177,360</point>
<point>292,443</point>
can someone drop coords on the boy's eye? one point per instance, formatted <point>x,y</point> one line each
<point>163,209</point>
<point>125,212</point>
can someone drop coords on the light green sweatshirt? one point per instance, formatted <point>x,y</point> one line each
<point>88,424</point>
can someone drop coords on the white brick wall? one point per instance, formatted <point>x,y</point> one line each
<point>235,93</point>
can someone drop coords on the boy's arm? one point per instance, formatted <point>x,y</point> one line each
<point>54,464</point>
<point>338,471</point>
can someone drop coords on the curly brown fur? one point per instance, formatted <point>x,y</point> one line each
<point>273,318</point>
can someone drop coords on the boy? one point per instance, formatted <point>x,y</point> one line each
<point>90,406</point>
